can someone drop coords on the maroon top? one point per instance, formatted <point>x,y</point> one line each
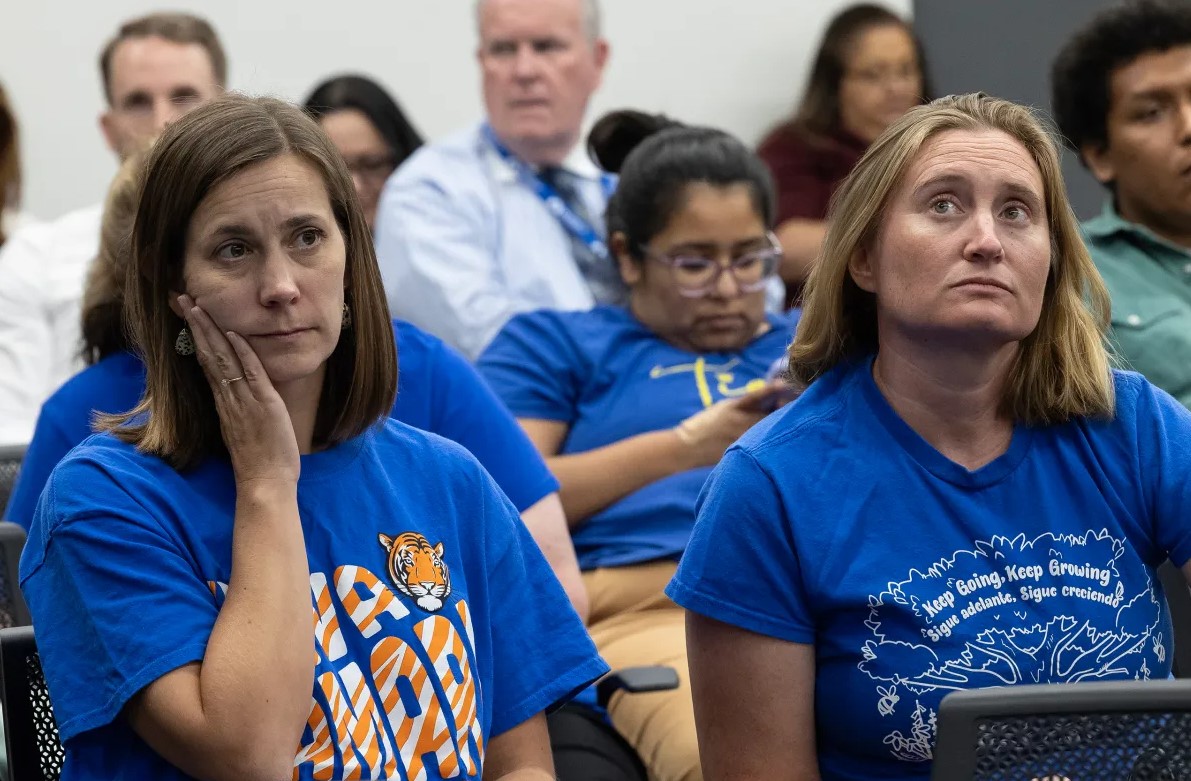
<point>806,170</point>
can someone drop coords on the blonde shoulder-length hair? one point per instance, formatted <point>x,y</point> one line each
<point>1063,368</point>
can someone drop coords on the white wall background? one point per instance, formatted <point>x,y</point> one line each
<point>735,64</point>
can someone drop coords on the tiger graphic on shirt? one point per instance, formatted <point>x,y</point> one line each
<point>417,569</point>
<point>396,694</point>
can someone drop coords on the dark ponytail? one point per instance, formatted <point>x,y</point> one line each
<point>657,158</point>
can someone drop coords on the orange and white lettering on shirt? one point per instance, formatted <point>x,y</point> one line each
<point>349,737</point>
<point>440,636</point>
<point>415,735</point>
<point>366,612</point>
<point>321,750</point>
<point>369,745</point>
<point>218,590</point>
<point>465,617</point>
<point>326,622</point>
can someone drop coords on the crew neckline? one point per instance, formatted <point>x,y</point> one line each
<point>931,459</point>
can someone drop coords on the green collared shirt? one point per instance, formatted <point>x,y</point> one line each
<point>1149,279</point>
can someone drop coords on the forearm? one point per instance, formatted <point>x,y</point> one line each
<point>593,480</point>
<point>257,674</point>
<point>525,774</point>
<point>547,523</point>
<point>748,727</point>
<point>521,754</point>
<point>801,242</point>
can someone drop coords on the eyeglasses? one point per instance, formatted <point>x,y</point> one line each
<point>373,167</point>
<point>696,276</point>
<point>883,76</point>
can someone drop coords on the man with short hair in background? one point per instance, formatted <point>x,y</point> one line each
<point>1122,98</point>
<point>506,216</point>
<point>154,70</point>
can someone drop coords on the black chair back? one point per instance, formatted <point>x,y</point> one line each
<point>35,752</point>
<point>1178,597</point>
<point>13,611</point>
<point>1118,730</point>
<point>10,465</point>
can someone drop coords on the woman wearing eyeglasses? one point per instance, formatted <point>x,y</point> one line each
<point>869,71</point>
<point>368,128</point>
<point>632,405</point>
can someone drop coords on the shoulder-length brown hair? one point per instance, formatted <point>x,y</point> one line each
<point>176,418</point>
<point>10,160</point>
<point>818,114</point>
<point>1063,367</point>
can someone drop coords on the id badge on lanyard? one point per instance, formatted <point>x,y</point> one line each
<point>566,216</point>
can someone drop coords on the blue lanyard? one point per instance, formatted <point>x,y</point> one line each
<point>578,227</point>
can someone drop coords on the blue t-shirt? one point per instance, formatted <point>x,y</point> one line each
<point>128,562</point>
<point>608,377</point>
<point>437,391</point>
<point>913,576</point>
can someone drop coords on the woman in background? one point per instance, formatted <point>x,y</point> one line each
<point>868,72</point>
<point>632,405</point>
<point>369,129</point>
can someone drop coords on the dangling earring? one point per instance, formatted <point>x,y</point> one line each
<point>347,316</point>
<point>184,344</point>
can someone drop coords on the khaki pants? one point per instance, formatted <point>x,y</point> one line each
<point>634,623</point>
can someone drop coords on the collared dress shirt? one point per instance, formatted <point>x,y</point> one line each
<point>464,245</point>
<point>1149,279</point>
<point>43,268</point>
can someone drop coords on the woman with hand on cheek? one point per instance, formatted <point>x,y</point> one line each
<point>256,545</point>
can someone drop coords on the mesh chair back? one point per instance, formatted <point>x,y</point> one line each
<point>1118,730</point>
<point>35,752</point>
<point>10,464</point>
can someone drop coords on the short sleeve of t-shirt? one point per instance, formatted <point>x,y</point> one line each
<point>741,527</point>
<point>116,598</point>
<point>1164,448</point>
<point>465,410</point>
<point>542,653</point>
<point>534,367</point>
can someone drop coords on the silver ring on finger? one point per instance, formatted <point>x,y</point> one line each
<point>226,381</point>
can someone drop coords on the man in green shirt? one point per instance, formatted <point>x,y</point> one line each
<point>1121,93</point>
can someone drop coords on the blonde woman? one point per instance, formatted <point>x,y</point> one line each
<point>966,494</point>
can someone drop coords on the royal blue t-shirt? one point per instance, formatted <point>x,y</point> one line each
<point>913,576</point>
<point>437,391</point>
<point>128,561</point>
<point>608,377</point>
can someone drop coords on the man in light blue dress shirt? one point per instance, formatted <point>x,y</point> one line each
<point>506,216</point>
